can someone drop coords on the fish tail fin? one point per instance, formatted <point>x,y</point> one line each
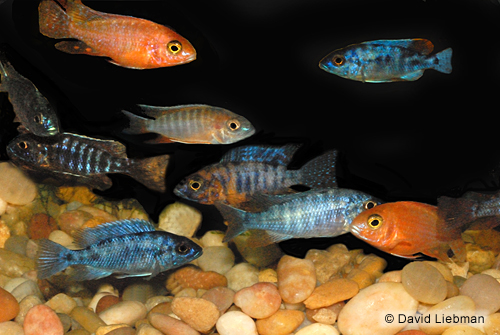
<point>137,124</point>
<point>236,220</point>
<point>151,172</point>
<point>320,171</point>
<point>456,214</point>
<point>53,20</point>
<point>442,61</point>
<point>51,258</point>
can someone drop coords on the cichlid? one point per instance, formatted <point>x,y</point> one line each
<point>314,213</point>
<point>405,228</point>
<point>386,60</point>
<point>129,42</point>
<point>247,170</point>
<point>32,109</point>
<point>85,160</point>
<point>129,248</point>
<point>193,124</point>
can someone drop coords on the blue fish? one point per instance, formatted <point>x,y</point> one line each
<point>128,248</point>
<point>384,61</point>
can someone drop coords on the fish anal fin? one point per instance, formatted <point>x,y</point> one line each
<point>412,76</point>
<point>85,272</point>
<point>77,47</point>
<point>261,238</point>
<point>160,140</point>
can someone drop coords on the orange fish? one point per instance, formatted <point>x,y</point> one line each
<point>406,228</point>
<point>129,42</point>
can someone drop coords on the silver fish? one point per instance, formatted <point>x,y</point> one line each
<point>315,213</point>
<point>128,248</point>
<point>32,109</point>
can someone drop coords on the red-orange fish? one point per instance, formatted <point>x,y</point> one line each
<point>130,42</point>
<point>406,228</point>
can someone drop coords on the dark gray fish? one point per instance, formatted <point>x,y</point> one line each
<point>85,160</point>
<point>315,213</point>
<point>32,109</point>
<point>128,248</point>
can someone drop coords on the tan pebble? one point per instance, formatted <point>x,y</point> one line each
<point>331,292</point>
<point>78,332</point>
<point>42,319</point>
<point>198,313</point>
<point>479,260</point>
<point>11,328</point>
<point>14,265</point>
<point>259,301</point>
<point>365,313</point>
<point>169,325</point>
<point>3,206</point>
<point>219,259</point>
<point>87,318</point>
<point>492,324</point>
<point>126,312</point>
<point>106,301</point>
<point>153,301</point>
<point>98,213</point>
<point>164,308</point>
<point>242,275</point>
<point>140,291</point>
<point>147,329</point>
<point>296,278</point>
<point>213,238</point>
<point>495,273</point>
<point>103,330</point>
<point>25,305</point>
<point>462,330</point>
<point>26,288</point>
<point>424,282</point>
<point>391,276</point>
<point>268,275</point>
<point>373,264</point>
<point>70,221</point>
<point>186,292</point>
<point>443,268</point>
<point>180,219</point>
<point>235,322</point>
<point>318,329</point>
<point>222,297</point>
<point>4,233</point>
<point>61,303</point>
<point>485,291</point>
<point>326,315</point>
<point>282,322</point>
<point>194,277</point>
<point>411,332</point>
<point>452,290</point>
<point>363,278</point>
<point>10,306</point>
<point>456,306</point>
<point>17,188</point>
<point>62,238</point>
<point>328,263</point>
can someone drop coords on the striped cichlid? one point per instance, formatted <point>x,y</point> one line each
<point>314,213</point>
<point>192,124</point>
<point>254,169</point>
<point>386,60</point>
<point>32,109</point>
<point>85,160</point>
<point>128,248</point>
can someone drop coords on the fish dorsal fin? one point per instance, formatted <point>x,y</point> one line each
<point>81,13</point>
<point>420,45</point>
<point>158,111</point>
<point>268,154</point>
<point>86,237</point>
<point>115,148</point>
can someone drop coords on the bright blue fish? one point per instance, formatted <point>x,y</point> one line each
<point>128,248</point>
<point>386,60</point>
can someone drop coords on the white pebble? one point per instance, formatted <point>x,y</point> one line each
<point>235,322</point>
<point>213,238</point>
<point>180,219</point>
<point>318,329</point>
<point>126,312</point>
<point>219,259</point>
<point>242,275</point>
<point>3,206</point>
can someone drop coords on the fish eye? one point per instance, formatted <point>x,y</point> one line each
<point>174,47</point>
<point>375,221</point>
<point>182,249</point>
<point>38,119</point>
<point>338,60</point>
<point>23,145</point>
<point>369,204</point>
<point>233,125</point>
<point>194,185</point>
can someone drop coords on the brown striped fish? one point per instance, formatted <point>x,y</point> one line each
<point>192,124</point>
<point>248,170</point>
<point>85,160</point>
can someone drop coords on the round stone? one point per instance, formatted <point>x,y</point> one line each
<point>283,322</point>
<point>169,325</point>
<point>259,301</point>
<point>126,312</point>
<point>456,307</point>
<point>331,292</point>
<point>424,282</point>
<point>485,291</point>
<point>42,319</point>
<point>296,279</point>
<point>318,329</point>
<point>10,306</point>
<point>236,322</point>
<point>198,313</point>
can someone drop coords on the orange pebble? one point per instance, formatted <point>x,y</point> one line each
<point>41,225</point>
<point>10,306</point>
<point>106,302</point>
<point>41,319</point>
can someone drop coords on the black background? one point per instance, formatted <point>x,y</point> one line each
<point>259,58</point>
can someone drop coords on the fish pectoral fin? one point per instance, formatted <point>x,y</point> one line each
<point>412,76</point>
<point>86,272</point>
<point>77,47</point>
